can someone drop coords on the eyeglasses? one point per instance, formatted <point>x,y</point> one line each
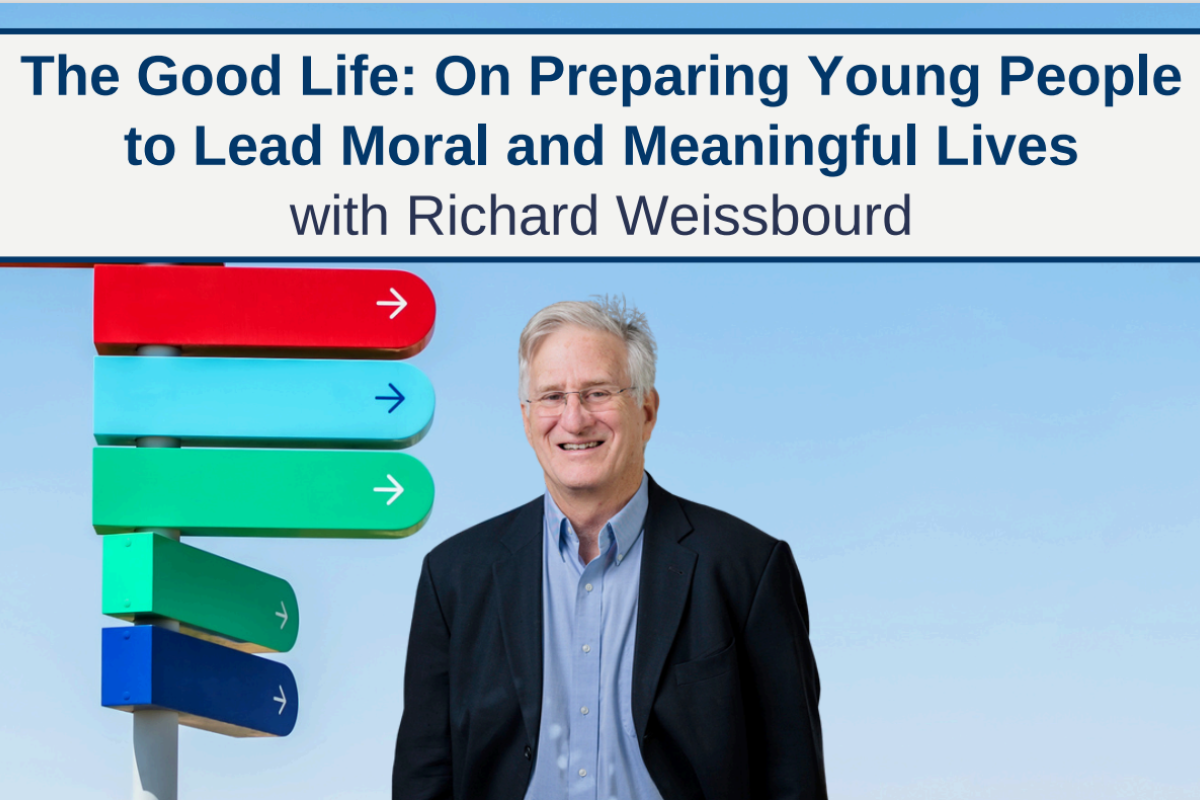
<point>597,398</point>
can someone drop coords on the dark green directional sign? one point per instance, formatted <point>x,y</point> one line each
<point>297,493</point>
<point>147,577</point>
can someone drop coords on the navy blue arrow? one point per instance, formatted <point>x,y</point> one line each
<point>399,398</point>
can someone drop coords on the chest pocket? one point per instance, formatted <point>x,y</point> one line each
<point>710,666</point>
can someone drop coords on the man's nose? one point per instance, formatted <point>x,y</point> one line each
<point>575,416</point>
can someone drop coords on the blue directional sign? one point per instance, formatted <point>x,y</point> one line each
<point>262,402</point>
<point>212,687</point>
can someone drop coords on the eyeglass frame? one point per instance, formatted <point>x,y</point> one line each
<point>534,402</point>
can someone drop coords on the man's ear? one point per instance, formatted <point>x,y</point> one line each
<point>650,410</point>
<point>526,420</point>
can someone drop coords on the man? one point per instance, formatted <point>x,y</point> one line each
<point>607,640</point>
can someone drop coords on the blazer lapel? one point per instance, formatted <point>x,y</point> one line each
<point>666,580</point>
<point>519,586</point>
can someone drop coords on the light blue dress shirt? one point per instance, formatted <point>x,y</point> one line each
<point>587,746</point>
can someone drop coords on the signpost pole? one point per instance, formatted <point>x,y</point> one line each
<point>156,731</point>
<point>155,754</point>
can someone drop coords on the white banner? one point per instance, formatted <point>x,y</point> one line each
<point>625,146</point>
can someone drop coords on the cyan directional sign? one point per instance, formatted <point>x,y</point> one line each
<point>298,493</point>
<point>262,402</point>
<point>148,577</point>
<point>212,687</point>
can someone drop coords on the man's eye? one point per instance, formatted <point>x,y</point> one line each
<point>553,397</point>
<point>599,395</point>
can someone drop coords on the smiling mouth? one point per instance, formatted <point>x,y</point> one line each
<point>579,445</point>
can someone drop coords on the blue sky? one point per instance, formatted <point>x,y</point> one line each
<point>987,474</point>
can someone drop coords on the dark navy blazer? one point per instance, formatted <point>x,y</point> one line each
<point>725,687</point>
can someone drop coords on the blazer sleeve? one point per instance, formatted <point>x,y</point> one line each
<point>422,769</point>
<point>784,688</point>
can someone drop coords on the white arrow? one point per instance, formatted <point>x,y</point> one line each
<point>396,490</point>
<point>282,614</point>
<point>399,303</point>
<point>282,699</point>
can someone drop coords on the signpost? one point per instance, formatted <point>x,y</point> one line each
<point>314,313</point>
<point>330,383</point>
<point>262,402</point>
<point>214,688</point>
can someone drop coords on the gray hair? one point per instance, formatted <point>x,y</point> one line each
<point>610,314</point>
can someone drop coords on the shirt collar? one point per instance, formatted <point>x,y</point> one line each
<point>625,526</point>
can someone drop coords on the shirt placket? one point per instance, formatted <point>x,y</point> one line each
<point>585,677</point>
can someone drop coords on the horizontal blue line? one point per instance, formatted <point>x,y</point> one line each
<point>538,17</point>
<point>620,260</point>
<point>598,31</point>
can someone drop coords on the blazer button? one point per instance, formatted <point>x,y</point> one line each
<point>528,753</point>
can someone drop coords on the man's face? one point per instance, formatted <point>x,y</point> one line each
<point>605,453</point>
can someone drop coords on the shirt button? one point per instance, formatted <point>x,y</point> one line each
<point>583,710</point>
<point>587,586</point>
<point>587,648</point>
<point>583,773</point>
<point>619,555</point>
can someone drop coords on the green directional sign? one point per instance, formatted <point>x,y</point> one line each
<point>296,493</point>
<point>147,576</point>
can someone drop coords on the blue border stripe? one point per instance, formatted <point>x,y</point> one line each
<point>598,31</point>
<point>458,18</point>
<point>606,260</point>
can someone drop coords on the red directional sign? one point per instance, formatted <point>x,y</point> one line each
<point>337,313</point>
